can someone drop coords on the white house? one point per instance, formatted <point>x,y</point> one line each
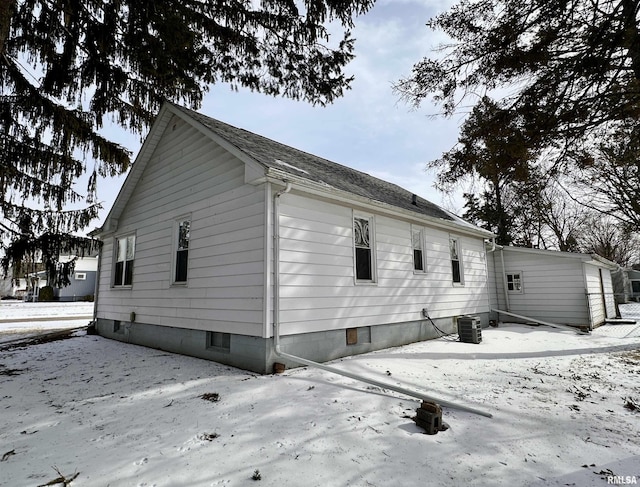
<point>220,238</point>
<point>566,288</point>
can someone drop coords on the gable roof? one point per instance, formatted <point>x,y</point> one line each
<point>272,155</point>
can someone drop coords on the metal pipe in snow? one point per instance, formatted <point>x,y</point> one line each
<point>547,323</point>
<point>333,370</point>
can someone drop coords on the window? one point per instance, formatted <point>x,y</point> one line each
<point>182,251</point>
<point>80,276</point>
<point>456,265</point>
<point>125,251</point>
<point>219,341</point>
<point>418,253</point>
<point>514,282</point>
<point>363,248</point>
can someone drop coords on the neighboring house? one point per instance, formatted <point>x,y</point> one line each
<point>83,279</point>
<point>82,286</point>
<point>565,288</point>
<point>188,263</point>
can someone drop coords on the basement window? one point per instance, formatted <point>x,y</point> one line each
<point>219,341</point>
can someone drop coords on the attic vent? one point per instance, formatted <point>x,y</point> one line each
<point>414,200</point>
<point>287,165</point>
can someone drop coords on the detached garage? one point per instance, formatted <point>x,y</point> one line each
<point>567,288</point>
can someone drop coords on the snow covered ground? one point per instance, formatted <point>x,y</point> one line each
<point>20,320</point>
<point>121,415</point>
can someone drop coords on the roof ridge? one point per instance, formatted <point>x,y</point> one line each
<point>299,163</point>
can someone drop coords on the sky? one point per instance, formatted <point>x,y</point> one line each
<point>369,128</point>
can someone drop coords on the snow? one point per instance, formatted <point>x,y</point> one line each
<point>118,414</point>
<point>20,320</point>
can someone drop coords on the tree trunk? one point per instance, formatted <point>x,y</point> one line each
<point>503,234</point>
<point>632,34</point>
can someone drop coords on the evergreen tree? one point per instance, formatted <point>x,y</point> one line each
<point>494,147</point>
<point>569,69</point>
<point>67,66</point>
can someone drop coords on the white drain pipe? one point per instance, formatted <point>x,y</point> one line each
<point>541,322</point>
<point>310,363</point>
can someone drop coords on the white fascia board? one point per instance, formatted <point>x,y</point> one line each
<point>329,192</point>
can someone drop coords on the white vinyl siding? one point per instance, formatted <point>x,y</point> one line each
<point>317,281</point>
<point>190,174</point>
<point>556,286</point>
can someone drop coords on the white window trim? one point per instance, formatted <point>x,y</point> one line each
<point>372,244</point>
<point>174,249</point>
<point>80,276</point>
<point>424,251</point>
<point>512,273</point>
<point>117,238</point>
<point>460,260</point>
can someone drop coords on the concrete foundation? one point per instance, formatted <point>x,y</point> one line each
<point>257,354</point>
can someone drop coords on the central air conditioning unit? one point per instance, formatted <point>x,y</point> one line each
<point>469,329</point>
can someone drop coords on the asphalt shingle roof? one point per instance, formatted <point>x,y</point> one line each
<point>272,154</point>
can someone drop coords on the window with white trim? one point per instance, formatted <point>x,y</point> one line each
<point>80,276</point>
<point>183,229</point>
<point>456,263</point>
<point>125,253</point>
<point>364,246</point>
<point>514,282</point>
<point>417,243</point>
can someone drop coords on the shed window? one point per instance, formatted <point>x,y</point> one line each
<point>182,250</point>
<point>80,276</point>
<point>417,237</point>
<point>456,264</point>
<point>514,282</point>
<point>125,252</point>
<point>363,243</point>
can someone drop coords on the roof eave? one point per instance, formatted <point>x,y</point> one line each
<point>299,183</point>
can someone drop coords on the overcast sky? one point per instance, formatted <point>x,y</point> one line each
<point>368,129</point>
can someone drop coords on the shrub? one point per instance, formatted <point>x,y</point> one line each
<point>46,294</point>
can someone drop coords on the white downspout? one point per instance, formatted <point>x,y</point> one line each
<point>310,363</point>
<point>504,280</point>
<point>276,266</point>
